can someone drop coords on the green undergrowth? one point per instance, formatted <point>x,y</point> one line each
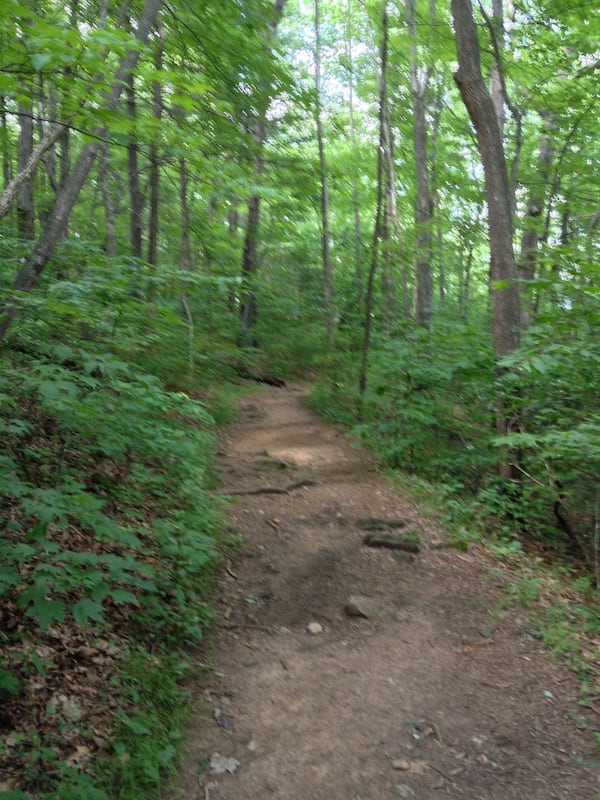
<point>108,551</point>
<point>109,538</point>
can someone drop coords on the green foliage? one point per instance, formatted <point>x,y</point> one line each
<point>429,404</point>
<point>150,726</point>
<point>107,520</point>
<point>556,441</point>
<point>97,428</point>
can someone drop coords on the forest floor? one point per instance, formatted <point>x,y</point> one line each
<point>440,691</point>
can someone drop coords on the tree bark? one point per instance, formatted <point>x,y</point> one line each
<point>496,76</point>
<point>324,205</point>
<point>533,223</point>
<point>362,378</point>
<point>248,307</point>
<point>185,254</point>
<point>424,206</point>
<point>483,116</point>
<point>25,199</point>
<point>5,150</point>
<point>133,174</point>
<point>28,275</point>
<point>390,223</point>
<point>153,223</point>
<point>504,291</point>
<point>353,139</point>
<point>110,217</point>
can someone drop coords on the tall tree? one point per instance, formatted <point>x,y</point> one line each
<point>25,195</point>
<point>133,173</point>
<point>324,204</point>
<point>480,106</point>
<point>154,180</point>
<point>258,131</point>
<point>419,81</point>
<point>379,205</point>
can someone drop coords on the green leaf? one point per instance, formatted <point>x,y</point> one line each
<point>40,60</point>
<point>85,610</point>
<point>9,683</point>
<point>123,596</point>
<point>46,612</point>
<point>166,755</point>
<point>135,725</point>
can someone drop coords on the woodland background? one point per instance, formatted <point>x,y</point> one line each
<point>398,201</point>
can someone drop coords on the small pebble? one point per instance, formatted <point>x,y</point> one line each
<point>314,628</point>
<point>401,764</point>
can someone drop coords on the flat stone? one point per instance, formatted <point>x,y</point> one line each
<point>314,628</point>
<point>221,764</point>
<point>401,764</point>
<point>358,606</point>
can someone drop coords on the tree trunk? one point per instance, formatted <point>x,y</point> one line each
<point>353,139</point>
<point>248,307</point>
<point>362,378</point>
<point>5,144</point>
<point>504,291</point>
<point>185,253</point>
<point>390,224</point>
<point>153,223</point>
<point>25,200</point>
<point>250,263</point>
<point>532,224</point>
<point>42,252</point>
<point>424,206</point>
<point>481,110</point>
<point>110,216</point>
<point>327,267</point>
<point>133,175</point>
<point>496,76</point>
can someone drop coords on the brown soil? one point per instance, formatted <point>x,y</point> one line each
<point>442,692</point>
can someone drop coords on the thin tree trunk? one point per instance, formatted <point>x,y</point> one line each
<point>250,260</point>
<point>110,216</point>
<point>327,266</point>
<point>133,175</point>
<point>153,221</point>
<point>532,233</point>
<point>42,252</point>
<point>5,144</point>
<point>25,197</point>
<point>390,222</point>
<point>185,254</point>
<point>248,308</point>
<point>362,378</point>
<point>354,143</point>
<point>424,205</point>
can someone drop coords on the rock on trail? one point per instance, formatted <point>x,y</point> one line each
<point>407,700</point>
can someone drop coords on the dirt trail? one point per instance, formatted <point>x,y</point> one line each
<point>437,694</point>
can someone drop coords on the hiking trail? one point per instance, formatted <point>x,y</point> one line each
<point>349,672</point>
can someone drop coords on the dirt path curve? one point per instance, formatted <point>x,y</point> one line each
<point>437,694</point>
